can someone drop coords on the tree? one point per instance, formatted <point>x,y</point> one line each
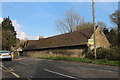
<point>115,18</point>
<point>106,31</point>
<point>111,36</point>
<point>7,25</point>
<point>69,22</point>
<point>102,25</point>
<point>8,34</point>
<point>84,25</point>
<point>89,24</point>
<point>0,37</point>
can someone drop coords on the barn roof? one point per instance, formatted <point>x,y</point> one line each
<point>79,37</point>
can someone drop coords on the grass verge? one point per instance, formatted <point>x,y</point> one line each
<point>84,60</point>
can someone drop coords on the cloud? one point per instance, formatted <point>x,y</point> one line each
<point>1,19</point>
<point>37,37</point>
<point>20,34</point>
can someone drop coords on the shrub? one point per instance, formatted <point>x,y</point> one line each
<point>114,54</point>
<point>103,53</point>
<point>90,54</point>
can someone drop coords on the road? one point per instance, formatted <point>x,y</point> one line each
<point>29,68</point>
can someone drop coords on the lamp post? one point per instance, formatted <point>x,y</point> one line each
<point>94,28</point>
<point>119,26</point>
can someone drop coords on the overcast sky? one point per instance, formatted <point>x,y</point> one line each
<point>32,19</point>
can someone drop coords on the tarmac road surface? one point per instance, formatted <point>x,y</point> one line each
<point>30,68</point>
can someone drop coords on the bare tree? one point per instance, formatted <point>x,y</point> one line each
<point>115,18</point>
<point>102,25</point>
<point>84,25</point>
<point>69,22</point>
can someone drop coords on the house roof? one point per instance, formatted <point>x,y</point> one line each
<point>16,48</point>
<point>79,37</point>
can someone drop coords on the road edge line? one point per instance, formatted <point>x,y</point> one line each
<point>16,75</point>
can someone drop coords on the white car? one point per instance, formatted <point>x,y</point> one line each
<point>5,55</point>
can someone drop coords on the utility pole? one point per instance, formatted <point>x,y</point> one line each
<point>94,28</point>
<point>119,27</point>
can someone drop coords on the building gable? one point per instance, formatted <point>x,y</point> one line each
<point>101,39</point>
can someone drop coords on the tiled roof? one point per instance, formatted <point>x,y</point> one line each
<point>79,37</point>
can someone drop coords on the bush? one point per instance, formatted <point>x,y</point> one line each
<point>113,57</point>
<point>90,54</point>
<point>114,54</point>
<point>103,53</point>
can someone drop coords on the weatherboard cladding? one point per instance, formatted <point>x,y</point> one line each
<point>79,37</point>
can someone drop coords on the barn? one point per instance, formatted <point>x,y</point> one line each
<point>74,44</point>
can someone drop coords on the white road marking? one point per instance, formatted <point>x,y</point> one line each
<point>4,67</point>
<point>59,74</point>
<point>38,59</point>
<point>105,70</point>
<point>96,69</point>
<point>16,75</point>
<point>23,63</point>
<point>10,69</point>
<point>7,69</point>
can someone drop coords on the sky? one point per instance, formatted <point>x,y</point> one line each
<point>33,19</point>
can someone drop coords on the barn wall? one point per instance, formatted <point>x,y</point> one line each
<point>57,52</point>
